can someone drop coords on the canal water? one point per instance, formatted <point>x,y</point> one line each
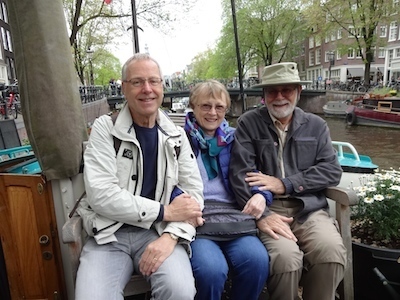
<point>381,144</point>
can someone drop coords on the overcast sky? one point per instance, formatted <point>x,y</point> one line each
<point>176,50</point>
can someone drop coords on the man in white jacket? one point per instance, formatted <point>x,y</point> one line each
<point>143,202</point>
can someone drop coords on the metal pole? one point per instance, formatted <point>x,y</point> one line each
<point>135,28</point>
<point>91,71</point>
<point>239,63</point>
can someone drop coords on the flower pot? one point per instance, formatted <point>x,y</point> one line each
<point>367,284</point>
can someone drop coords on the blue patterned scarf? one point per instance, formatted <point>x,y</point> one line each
<point>210,148</point>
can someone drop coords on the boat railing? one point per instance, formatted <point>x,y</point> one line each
<point>383,106</point>
<point>341,145</point>
<point>11,153</point>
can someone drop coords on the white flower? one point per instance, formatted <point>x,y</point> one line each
<point>378,197</point>
<point>368,200</point>
<point>395,187</point>
<point>361,194</point>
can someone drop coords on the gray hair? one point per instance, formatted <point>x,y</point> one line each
<point>138,57</point>
<point>211,89</point>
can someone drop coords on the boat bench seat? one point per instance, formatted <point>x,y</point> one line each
<point>74,235</point>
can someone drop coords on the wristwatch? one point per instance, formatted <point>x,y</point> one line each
<point>173,236</point>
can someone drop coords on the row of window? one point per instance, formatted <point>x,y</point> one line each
<point>314,57</point>
<point>393,34</point>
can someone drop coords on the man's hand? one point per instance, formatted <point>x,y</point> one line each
<point>265,182</point>
<point>155,254</point>
<point>255,206</point>
<point>275,224</point>
<point>182,208</point>
<point>196,222</point>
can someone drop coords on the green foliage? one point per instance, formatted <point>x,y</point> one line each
<point>378,209</point>
<point>381,91</point>
<point>106,67</point>
<point>357,21</point>
<point>268,30</point>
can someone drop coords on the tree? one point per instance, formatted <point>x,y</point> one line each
<point>95,25</point>
<point>109,68</point>
<point>357,19</point>
<point>266,29</point>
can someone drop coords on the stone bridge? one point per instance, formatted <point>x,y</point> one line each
<point>310,101</point>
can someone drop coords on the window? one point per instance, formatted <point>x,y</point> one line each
<point>382,31</point>
<point>393,31</point>
<point>318,56</point>
<point>311,42</point>
<point>397,52</point>
<point>327,39</point>
<point>311,58</point>
<point>333,36</point>
<point>338,55</point>
<point>350,53</point>
<point>4,12</point>
<point>381,53</point>
<point>351,32</point>
<point>317,41</point>
<point>4,38</point>
<point>359,53</point>
<point>327,56</point>
<point>9,41</point>
<point>339,34</point>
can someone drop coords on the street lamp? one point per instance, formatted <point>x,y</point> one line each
<point>90,52</point>
<point>330,55</point>
<point>331,58</point>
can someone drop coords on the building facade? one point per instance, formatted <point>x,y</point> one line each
<point>7,62</point>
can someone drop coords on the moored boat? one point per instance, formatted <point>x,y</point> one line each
<point>381,112</point>
<point>355,168</point>
<point>19,160</point>
<point>354,165</point>
<point>336,108</point>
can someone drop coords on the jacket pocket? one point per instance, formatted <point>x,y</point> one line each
<point>306,149</point>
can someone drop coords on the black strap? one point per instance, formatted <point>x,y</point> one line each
<point>117,141</point>
<point>76,205</point>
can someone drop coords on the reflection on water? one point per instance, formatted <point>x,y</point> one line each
<point>381,144</point>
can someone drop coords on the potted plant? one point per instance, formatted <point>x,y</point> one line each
<point>376,236</point>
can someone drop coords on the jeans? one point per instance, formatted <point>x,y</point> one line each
<point>105,270</point>
<point>245,258</point>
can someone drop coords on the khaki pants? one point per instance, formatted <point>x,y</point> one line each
<point>316,261</point>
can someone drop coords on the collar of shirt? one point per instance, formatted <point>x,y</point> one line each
<point>278,124</point>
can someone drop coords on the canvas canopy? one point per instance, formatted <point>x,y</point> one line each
<point>48,85</point>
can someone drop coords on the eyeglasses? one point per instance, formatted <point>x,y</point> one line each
<point>218,108</point>
<point>285,92</point>
<point>139,82</point>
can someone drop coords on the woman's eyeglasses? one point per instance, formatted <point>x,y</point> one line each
<point>218,108</point>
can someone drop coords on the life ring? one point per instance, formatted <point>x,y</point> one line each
<point>351,118</point>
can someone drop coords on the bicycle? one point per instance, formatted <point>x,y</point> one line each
<point>9,105</point>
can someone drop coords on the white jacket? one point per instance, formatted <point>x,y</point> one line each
<point>113,183</point>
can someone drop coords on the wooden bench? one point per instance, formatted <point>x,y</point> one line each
<point>74,235</point>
